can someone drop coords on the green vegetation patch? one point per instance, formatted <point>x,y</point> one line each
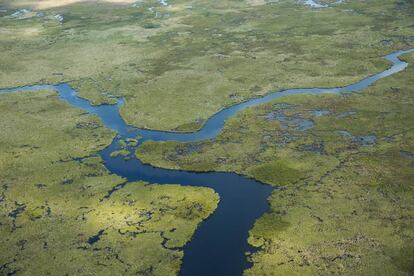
<point>177,65</point>
<point>55,213</point>
<point>347,195</point>
<point>276,172</point>
<point>119,153</point>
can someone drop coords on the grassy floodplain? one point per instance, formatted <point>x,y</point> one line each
<point>177,65</point>
<point>55,214</point>
<point>345,163</point>
<point>345,167</point>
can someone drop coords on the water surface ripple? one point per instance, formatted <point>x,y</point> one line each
<point>219,244</point>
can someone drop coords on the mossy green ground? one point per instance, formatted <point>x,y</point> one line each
<point>55,216</point>
<point>346,205</point>
<point>345,208</point>
<point>178,65</point>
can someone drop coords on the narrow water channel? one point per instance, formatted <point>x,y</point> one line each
<point>219,245</point>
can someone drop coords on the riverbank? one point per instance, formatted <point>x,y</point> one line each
<point>346,202</point>
<point>54,214</point>
<point>202,59</point>
<point>243,200</point>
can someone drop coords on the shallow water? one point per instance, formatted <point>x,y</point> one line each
<point>163,2</point>
<point>313,4</point>
<point>218,246</point>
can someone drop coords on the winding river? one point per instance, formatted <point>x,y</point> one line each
<point>219,244</point>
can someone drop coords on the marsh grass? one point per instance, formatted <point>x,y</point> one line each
<point>177,66</point>
<point>343,206</point>
<point>53,198</point>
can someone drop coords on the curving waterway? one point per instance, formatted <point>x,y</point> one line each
<point>219,244</point>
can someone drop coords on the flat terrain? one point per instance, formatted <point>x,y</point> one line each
<point>345,167</point>
<point>55,214</point>
<point>343,164</point>
<point>177,65</point>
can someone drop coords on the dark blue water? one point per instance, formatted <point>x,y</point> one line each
<point>218,246</point>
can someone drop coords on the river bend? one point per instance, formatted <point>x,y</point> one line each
<point>219,244</point>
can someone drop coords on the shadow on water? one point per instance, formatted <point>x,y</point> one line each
<point>219,245</point>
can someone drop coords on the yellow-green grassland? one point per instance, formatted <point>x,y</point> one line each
<point>344,165</point>
<point>177,65</point>
<point>55,218</point>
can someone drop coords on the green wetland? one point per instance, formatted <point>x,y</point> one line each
<point>342,163</point>
<point>177,65</point>
<point>345,169</point>
<point>54,216</point>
